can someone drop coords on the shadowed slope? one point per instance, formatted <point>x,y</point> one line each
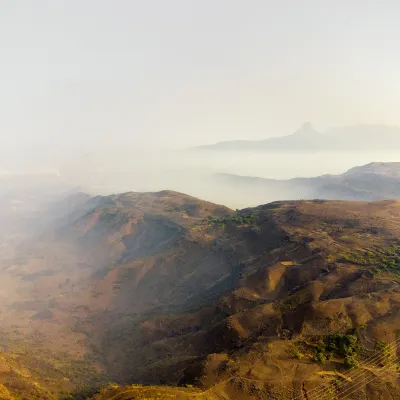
<point>166,289</point>
<point>312,270</point>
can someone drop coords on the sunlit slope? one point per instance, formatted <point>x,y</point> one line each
<point>318,295</point>
<point>116,392</point>
<point>286,299</point>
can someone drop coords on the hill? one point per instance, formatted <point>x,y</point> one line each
<point>315,273</point>
<point>105,259</point>
<point>278,301</point>
<point>371,182</point>
<point>306,138</point>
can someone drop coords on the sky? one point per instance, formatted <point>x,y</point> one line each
<point>91,75</point>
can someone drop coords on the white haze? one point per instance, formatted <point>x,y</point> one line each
<point>192,172</point>
<point>95,89</point>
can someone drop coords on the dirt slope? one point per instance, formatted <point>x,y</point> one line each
<point>318,295</point>
<point>274,302</point>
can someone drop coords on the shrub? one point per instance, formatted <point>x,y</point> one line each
<point>351,362</point>
<point>319,357</point>
<point>339,345</point>
<point>381,260</point>
<point>236,219</point>
<point>385,350</point>
<point>343,345</point>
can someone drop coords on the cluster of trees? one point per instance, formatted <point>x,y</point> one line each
<point>387,260</point>
<point>174,208</point>
<point>338,345</point>
<point>235,219</point>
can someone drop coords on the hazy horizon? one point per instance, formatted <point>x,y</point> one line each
<point>112,93</point>
<point>188,73</point>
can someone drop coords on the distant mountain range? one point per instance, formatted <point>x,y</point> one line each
<point>358,137</point>
<point>374,181</point>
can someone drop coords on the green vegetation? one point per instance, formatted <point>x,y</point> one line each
<point>174,208</point>
<point>338,345</point>
<point>320,355</point>
<point>386,351</point>
<point>113,218</point>
<point>30,371</point>
<point>236,219</point>
<point>351,362</point>
<point>381,260</point>
<point>296,352</point>
<point>186,208</point>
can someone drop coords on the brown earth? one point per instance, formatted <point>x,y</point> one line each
<point>166,289</point>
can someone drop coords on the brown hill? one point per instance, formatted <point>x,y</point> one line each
<point>279,301</point>
<point>110,258</point>
<point>314,273</point>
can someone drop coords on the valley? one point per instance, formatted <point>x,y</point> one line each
<point>166,289</point>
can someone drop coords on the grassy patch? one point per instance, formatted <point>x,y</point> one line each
<point>380,260</point>
<point>386,351</point>
<point>32,372</point>
<point>235,219</point>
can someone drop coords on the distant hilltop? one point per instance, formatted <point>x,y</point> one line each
<point>306,138</point>
<point>370,182</point>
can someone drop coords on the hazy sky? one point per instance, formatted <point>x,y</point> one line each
<point>96,73</point>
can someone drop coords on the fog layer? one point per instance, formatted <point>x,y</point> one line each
<point>192,172</point>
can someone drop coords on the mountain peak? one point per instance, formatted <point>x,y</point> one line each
<point>306,129</point>
<point>307,126</point>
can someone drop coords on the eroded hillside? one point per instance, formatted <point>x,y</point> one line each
<point>287,300</point>
<point>316,303</point>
